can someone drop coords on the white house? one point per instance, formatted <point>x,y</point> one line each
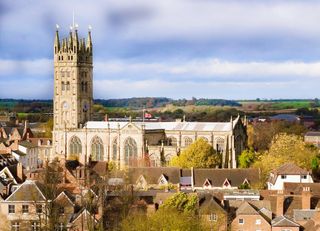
<point>288,173</point>
<point>27,155</point>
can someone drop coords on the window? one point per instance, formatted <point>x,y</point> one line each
<point>25,208</point>
<point>39,208</point>
<point>241,221</point>
<point>75,146</point>
<point>304,177</point>
<point>258,222</point>
<point>11,209</point>
<point>61,210</point>
<point>187,141</point>
<point>63,86</point>
<point>213,217</point>
<point>114,149</point>
<point>35,226</point>
<point>96,149</point>
<point>15,226</point>
<point>60,227</point>
<point>130,151</point>
<point>220,144</point>
<point>283,176</point>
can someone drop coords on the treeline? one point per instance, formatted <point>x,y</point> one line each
<point>151,102</point>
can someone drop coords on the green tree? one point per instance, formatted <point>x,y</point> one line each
<point>182,202</point>
<point>163,219</point>
<point>247,157</point>
<point>200,154</point>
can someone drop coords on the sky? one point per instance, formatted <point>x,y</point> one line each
<point>244,49</point>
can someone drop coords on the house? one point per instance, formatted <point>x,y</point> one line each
<point>248,218</point>
<point>282,223</point>
<point>213,215</point>
<point>44,148</point>
<point>312,138</point>
<point>27,155</point>
<point>288,172</point>
<point>24,208</point>
<point>83,221</point>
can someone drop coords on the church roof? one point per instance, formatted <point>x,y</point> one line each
<point>170,126</point>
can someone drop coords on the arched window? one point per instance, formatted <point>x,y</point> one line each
<point>96,149</point>
<point>187,141</point>
<point>172,141</point>
<point>115,149</point>
<point>130,151</point>
<point>63,86</point>
<point>220,144</point>
<point>75,146</point>
<point>68,85</point>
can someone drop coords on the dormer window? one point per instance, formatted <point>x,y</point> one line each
<point>207,183</point>
<point>283,176</point>
<point>141,182</point>
<point>226,184</point>
<point>162,180</point>
<point>304,177</point>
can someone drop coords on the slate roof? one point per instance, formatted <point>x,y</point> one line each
<point>207,203</point>
<point>283,221</point>
<point>27,144</point>
<point>28,192</point>
<point>304,214</point>
<point>246,209</point>
<point>170,126</point>
<point>312,134</point>
<point>19,153</point>
<point>152,174</point>
<point>217,176</point>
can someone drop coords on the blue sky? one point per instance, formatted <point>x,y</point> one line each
<point>173,48</point>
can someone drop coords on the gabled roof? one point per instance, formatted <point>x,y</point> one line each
<point>64,196</point>
<point>27,144</point>
<point>207,203</point>
<point>290,169</point>
<point>217,177</point>
<point>246,209</point>
<point>283,221</point>
<point>83,212</point>
<point>28,192</point>
<point>152,174</point>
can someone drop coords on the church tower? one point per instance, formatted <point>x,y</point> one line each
<point>73,93</point>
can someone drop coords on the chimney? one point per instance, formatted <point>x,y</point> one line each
<point>280,203</point>
<point>306,198</point>
<point>20,171</point>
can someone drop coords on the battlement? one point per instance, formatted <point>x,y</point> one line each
<point>73,48</point>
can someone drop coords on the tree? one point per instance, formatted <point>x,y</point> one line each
<point>247,157</point>
<point>286,148</point>
<point>200,154</point>
<point>162,219</point>
<point>182,202</point>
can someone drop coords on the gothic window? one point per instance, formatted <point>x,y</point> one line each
<point>68,73</point>
<point>220,144</point>
<point>75,147</point>
<point>63,86</point>
<point>82,86</point>
<point>86,87</point>
<point>172,141</point>
<point>130,151</point>
<point>115,149</point>
<point>187,141</point>
<point>97,149</point>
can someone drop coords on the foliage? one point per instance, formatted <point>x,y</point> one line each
<point>247,157</point>
<point>162,219</point>
<point>244,186</point>
<point>200,154</point>
<point>182,202</point>
<point>286,148</point>
<point>260,135</point>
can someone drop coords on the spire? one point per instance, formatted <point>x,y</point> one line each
<point>70,40</point>
<point>56,41</point>
<point>89,41</point>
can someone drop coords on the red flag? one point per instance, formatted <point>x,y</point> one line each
<point>147,115</point>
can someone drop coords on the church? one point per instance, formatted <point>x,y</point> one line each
<point>125,143</point>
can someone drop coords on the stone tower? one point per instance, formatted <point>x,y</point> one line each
<point>73,93</point>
